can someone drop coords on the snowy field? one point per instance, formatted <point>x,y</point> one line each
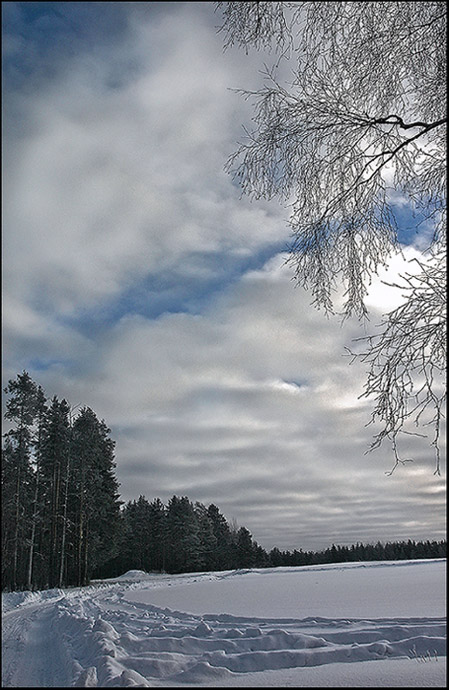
<point>377,624</point>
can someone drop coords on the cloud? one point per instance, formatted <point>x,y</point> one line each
<point>137,282</point>
<point>252,406</point>
<point>113,184</point>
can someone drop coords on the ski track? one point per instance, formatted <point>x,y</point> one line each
<point>95,637</point>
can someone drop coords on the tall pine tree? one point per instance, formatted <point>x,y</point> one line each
<point>94,499</point>
<point>54,470</point>
<point>184,548</point>
<point>17,477</point>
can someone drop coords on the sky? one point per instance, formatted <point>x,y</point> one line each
<point>139,282</point>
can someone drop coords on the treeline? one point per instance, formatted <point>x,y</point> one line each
<point>63,522</point>
<point>391,551</point>
<point>188,537</point>
<point>62,517</point>
<point>180,537</point>
<point>60,502</point>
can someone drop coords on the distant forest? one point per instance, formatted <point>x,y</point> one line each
<point>63,522</point>
<point>187,537</point>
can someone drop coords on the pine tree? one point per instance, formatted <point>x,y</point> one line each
<point>17,476</point>
<point>9,513</point>
<point>138,529</point>
<point>54,468</point>
<point>222,555</point>
<point>94,500</point>
<point>260,556</point>
<point>245,553</point>
<point>142,541</point>
<point>158,535</point>
<point>207,538</point>
<point>276,557</point>
<point>183,536</point>
<point>60,503</point>
<point>36,518</point>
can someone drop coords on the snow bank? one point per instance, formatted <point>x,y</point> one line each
<point>11,600</point>
<point>131,576</point>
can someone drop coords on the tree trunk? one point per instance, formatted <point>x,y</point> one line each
<point>16,533</point>
<point>80,548</point>
<point>54,526</point>
<point>64,525</point>
<point>85,555</point>
<point>33,531</point>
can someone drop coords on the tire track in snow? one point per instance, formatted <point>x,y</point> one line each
<point>28,635</point>
<point>100,639</point>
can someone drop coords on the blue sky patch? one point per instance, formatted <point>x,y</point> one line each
<point>171,291</point>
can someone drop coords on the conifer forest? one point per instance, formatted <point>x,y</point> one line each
<point>63,522</point>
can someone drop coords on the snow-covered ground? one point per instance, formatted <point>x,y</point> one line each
<point>338,625</point>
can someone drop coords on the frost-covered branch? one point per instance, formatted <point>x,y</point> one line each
<point>361,121</point>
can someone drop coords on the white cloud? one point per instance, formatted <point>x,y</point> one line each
<point>250,403</point>
<point>206,406</point>
<point>113,184</point>
<point>382,296</point>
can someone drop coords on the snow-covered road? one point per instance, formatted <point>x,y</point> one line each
<point>161,630</point>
